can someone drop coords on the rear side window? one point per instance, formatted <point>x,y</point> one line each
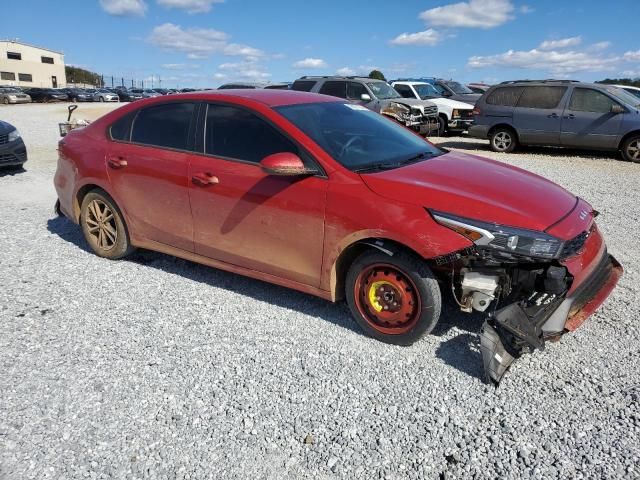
<point>541,97</point>
<point>121,129</point>
<point>303,85</point>
<point>335,89</point>
<point>236,133</point>
<point>505,96</point>
<point>164,126</point>
<point>587,100</point>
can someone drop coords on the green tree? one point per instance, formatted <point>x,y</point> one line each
<point>377,74</point>
<point>80,75</point>
<point>621,81</point>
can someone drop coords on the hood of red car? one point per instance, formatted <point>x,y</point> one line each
<point>476,188</point>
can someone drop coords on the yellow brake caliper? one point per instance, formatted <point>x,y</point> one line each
<point>373,294</point>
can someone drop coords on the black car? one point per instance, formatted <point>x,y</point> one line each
<point>128,96</point>
<point>12,149</point>
<point>45,95</point>
<point>77,94</point>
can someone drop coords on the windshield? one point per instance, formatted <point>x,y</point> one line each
<point>357,137</point>
<point>10,90</point>
<point>635,93</point>
<point>624,96</point>
<point>426,91</point>
<point>457,87</point>
<point>383,91</point>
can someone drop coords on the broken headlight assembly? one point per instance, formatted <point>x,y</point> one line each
<point>500,238</point>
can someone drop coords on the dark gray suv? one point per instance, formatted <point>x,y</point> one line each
<point>559,113</point>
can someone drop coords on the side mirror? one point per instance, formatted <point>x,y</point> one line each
<point>284,164</point>
<point>365,97</point>
<point>615,108</point>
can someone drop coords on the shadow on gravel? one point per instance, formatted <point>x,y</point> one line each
<point>11,171</point>
<point>338,314</point>
<point>463,353</point>
<point>547,151</point>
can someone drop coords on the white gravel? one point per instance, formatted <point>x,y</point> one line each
<point>159,368</point>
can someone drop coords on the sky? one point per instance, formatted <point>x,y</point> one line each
<point>204,43</point>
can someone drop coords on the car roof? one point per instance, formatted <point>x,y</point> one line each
<point>410,82</point>
<point>339,77</point>
<point>269,97</point>
<point>627,86</point>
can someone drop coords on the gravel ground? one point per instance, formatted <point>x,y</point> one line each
<point>155,367</point>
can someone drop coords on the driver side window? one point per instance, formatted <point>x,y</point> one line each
<point>587,100</point>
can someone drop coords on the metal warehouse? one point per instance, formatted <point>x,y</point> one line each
<point>29,66</point>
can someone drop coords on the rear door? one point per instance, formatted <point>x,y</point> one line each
<point>588,122</point>
<point>245,217</point>
<point>538,115</point>
<point>148,167</point>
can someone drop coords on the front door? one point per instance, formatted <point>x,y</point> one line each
<point>588,122</point>
<point>247,218</point>
<point>149,173</point>
<point>54,82</point>
<point>538,115</point>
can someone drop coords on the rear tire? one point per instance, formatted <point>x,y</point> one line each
<point>394,299</point>
<point>503,140</point>
<point>101,99</point>
<point>103,226</point>
<point>631,149</point>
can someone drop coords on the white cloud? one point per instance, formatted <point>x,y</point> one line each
<point>198,43</point>
<point>601,45</point>
<point>247,71</point>
<point>179,66</point>
<point>310,63</point>
<point>632,56</point>
<point>124,8</point>
<point>558,63</point>
<point>471,14</point>
<point>428,37</point>
<point>191,6</point>
<point>560,44</point>
<point>526,9</point>
<point>345,71</point>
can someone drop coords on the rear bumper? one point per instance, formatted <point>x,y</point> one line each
<point>479,131</point>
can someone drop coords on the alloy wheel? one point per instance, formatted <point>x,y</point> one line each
<point>633,150</point>
<point>387,299</point>
<point>101,225</point>
<point>502,140</point>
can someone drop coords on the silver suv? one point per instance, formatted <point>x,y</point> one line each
<point>376,95</point>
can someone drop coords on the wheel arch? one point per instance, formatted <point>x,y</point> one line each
<point>503,125</point>
<point>626,137</point>
<point>354,250</point>
<point>83,190</point>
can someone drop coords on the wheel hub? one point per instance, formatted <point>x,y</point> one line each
<point>101,225</point>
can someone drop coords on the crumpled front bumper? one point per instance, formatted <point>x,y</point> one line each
<point>567,317</point>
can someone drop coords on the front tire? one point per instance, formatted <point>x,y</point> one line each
<point>394,299</point>
<point>103,226</point>
<point>503,140</point>
<point>101,99</point>
<point>631,149</point>
<point>442,126</point>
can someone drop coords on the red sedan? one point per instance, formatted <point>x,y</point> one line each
<point>331,199</point>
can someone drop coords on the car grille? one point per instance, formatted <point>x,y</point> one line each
<point>430,110</point>
<point>8,157</point>
<point>573,246</point>
<point>4,139</point>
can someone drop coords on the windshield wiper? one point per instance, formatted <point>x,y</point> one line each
<point>390,166</point>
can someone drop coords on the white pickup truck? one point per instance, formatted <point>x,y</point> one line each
<point>452,115</point>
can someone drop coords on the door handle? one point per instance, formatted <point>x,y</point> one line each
<point>571,116</point>
<point>553,115</point>
<point>116,162</point>
<point>205,179</point>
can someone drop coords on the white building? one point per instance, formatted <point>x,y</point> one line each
<point>28,66</point>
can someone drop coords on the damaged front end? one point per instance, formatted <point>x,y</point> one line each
<point>533,286</point>
<point>421,119</point>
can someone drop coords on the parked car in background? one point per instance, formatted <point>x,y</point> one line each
<point>46,95</point>
<point>13,95</point>
<point>253,85</point>
<point>632,90</point>
<point>104,95</point>
<point>448,89</point>
<point>126,95</point>
<point>162,91</point>
<point>559,113</point>
<point>317,194</point>
<point>78,94</point>
<point>13,152</point>
<point>376,95</point>
<point>453,116</point>
<point>478,87</point>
